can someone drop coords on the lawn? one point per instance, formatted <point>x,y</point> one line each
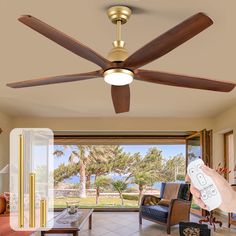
<point>90,202</point>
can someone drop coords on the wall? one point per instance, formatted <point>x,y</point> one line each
<point>119,124</point>
<point>220,124</point>
<point>224,122</point>
<point>5,125</point>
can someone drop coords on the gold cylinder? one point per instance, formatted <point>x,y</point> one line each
<point>43,213</point>
<point>31,200</point>
<point>21,182</point>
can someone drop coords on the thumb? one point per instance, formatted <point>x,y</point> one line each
<point>187,178</point>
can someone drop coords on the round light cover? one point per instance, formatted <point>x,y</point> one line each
<point>118,77</point>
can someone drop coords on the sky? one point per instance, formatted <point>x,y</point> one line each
<point>167,151</point>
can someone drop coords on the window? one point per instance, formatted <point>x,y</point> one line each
<point>103,173</point>
<point>229,156</point>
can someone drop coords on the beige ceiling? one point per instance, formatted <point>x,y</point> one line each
<point>25,55</point>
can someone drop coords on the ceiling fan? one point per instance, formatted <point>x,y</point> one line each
<point>119,69</point>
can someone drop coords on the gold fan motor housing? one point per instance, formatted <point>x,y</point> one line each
<point>118,52</point>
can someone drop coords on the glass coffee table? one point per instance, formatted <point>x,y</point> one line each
<point>70,224</point>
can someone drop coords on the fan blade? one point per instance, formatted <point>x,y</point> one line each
<point>56,79</point>
<point>64,40</point>
<point>121,98</point>
<point>168,41</point>
<point>183,81</point>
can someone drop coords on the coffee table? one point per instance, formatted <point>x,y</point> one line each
<point>70,228</point>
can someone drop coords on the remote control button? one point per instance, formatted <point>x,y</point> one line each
<point>191,171</point>
<point>201,179</point>
<point>204,195</point>
<point>213,191</point>
<point>199,166</point>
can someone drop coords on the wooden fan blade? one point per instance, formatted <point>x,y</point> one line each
<point>55,79</point>
<point>64,40</point>
<point>121,98</point>
<point>183,81</point>
<point>168,41</point>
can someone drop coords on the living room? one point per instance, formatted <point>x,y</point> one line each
<point>158,115</point>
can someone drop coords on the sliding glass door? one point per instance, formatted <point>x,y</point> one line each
<point>199,145</point>
<point>104,172</point>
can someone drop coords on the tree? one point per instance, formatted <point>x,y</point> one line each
<point>142,179</point>
<point>106,159</point>
<point>94,160</point>
<point>63,172</point>
<point>81,152</point>
<point>120,186</point>
<point>174,168</point>
<point>100,183</point>
<point>79,155</point>
<point>146,170</point>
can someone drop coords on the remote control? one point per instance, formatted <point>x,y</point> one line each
<point>210,195</point>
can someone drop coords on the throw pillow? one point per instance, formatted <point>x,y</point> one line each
<point>7,198</point>
<point>2,204</point>
<point>164,202</point>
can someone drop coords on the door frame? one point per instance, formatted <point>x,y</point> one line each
<point>226,153</point>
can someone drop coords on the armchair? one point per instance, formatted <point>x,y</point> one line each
<point>172,207</point>
<point>232,216</point>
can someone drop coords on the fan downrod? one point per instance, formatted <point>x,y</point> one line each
<point>118,15</point>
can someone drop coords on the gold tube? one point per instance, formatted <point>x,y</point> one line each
<point>21,183</point>
<point>43,213</point>
<point>118,30</point>
<point>31,200</point>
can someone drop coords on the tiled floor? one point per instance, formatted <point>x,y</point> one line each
<point>126,224</point>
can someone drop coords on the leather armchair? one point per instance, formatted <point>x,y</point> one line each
<point>232,216</point>
<point>167,211</point>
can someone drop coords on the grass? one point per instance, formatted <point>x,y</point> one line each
<point>90,202</point>
<point>195,206</point>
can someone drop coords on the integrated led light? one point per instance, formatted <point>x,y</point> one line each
<point>118,77</point>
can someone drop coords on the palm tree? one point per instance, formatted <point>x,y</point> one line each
<point>101,182</point>
<point>81,154</point>
<point>92,160</point>
<point>120,186</point>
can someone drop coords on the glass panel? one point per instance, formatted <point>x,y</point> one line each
<point>31,179</point>
<point>194,149</point>
<point>114,176</point>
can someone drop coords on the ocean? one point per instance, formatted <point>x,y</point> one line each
<point>76,179</point>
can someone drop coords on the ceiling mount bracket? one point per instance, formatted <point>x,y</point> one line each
<point>119,13</point>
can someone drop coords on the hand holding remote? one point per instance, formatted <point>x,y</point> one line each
<point>228,195</point>
<point>209,193</point>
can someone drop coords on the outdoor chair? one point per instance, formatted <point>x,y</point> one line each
<point>172,207</point>
<point>232,216</point>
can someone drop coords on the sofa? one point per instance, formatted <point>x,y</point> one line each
<point>170,208</point>
<point>232,216</point>
<point>5,228</point>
